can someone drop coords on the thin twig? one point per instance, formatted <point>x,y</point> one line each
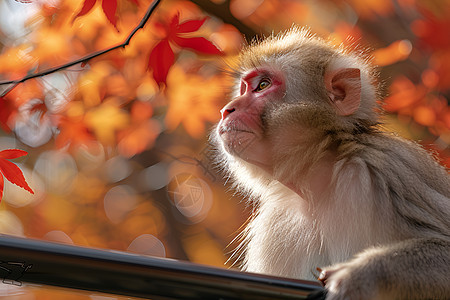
<point>189,160</point>
<point>84,59</point>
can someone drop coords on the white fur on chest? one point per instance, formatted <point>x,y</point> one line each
<point>284,242</point>
<point>286,238</point>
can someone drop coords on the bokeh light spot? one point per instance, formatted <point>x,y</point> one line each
<point>191,196</point>
<point>117,169</point>
<point>10,224</point>
<point>155,177</point>
<point>118,202</point>
<point>147,244</point>
<point>58,170</point>
<point>58,236</point>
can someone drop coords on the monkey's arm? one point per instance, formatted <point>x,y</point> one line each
<point>412,269</point>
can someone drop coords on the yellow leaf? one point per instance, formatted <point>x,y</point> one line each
<point>193,101</point>
<point>105,120</point>
<point>52,46</point>
<point>17,61</point>
<point>91,82</point>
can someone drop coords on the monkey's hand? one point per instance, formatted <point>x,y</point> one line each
<point>413,269</point>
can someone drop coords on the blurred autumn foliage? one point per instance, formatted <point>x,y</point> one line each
<point>116,143</point>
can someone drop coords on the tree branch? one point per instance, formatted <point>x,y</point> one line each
<point>222,11</point>
<point>84,59</point>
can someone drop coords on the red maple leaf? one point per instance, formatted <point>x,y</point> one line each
<point>10,171</point>
<point>162,56</point>
<point>161,59</point>
<point>109,8</point>
<point>8,111</point>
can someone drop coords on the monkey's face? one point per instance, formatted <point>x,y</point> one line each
<point>242,129</point>
<point>291,99</point>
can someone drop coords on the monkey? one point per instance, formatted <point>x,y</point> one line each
<point>331,189</point>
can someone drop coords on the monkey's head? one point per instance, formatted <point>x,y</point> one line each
<point>294,95</point>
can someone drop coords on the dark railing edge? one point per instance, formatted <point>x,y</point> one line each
<point>124,273</point>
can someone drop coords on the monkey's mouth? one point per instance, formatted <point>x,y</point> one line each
<point>232,129</point>
<point>233,126</point>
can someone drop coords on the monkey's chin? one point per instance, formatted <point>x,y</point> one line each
<point>237,142</point>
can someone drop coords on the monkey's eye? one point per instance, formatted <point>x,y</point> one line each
<point>263,84</point>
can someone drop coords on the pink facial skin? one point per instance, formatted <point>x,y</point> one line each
<point>241,128</point>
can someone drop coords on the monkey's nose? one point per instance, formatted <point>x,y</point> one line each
<point>226,111</point>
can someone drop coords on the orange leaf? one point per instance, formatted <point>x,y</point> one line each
<point>440,63</point>
<point>73,133</point>
<point>370,9</point>
<point>424,115</point>
<point>403,94</point>
<point>12,172</point>
<point>141,111</point>
<point>432,32</point>
<point>397,51</point>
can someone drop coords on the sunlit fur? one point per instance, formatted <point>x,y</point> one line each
<point>383,190</point>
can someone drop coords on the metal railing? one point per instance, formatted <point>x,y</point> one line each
<point>123,273</point>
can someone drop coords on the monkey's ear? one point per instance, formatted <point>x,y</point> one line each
<point>344,89</point>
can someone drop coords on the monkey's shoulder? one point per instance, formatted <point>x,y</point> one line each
<point>406,180</point>
<point>387,155</point>
<point>394,147</point>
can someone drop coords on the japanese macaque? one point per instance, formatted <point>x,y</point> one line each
<point>301,137</point>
